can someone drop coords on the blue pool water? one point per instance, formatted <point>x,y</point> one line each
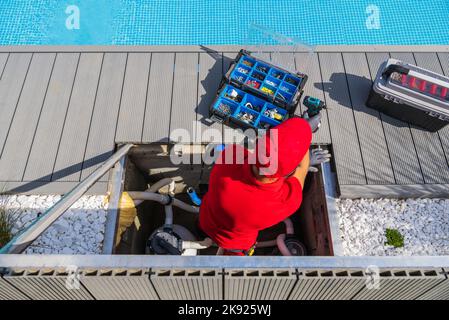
<point>211,22</point>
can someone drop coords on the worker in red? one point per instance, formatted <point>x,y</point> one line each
<point>246,196</point>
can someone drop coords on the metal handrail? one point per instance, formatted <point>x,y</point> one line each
<point>21,241</point>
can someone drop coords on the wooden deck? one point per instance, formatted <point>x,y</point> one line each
<point>63,109</point>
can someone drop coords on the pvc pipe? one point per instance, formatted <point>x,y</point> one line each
<point>266,244</point>
<point>280,241</point>
<point>289,229</point>
<point>169,216</point>
<point>155,188</point>
<point>162,199</point>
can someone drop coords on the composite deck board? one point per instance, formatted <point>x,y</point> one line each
<point>228,58</point>
<point>69,160</point>
<point>309,64</point>
<point>11,84</point>
<point>209,78</point>
<point>428,145</point>
<point>20,137</point>
<point>443,59</point>
<point>3,60</point>
<point>46,140</point>
<point>345,142</point>
<point>400,143</point>
<point>374,148</point>
<point>185,97</point>
<point>63,113</point>
<point>431,62</point>
<point>159,98</point>
<point>132,108</point>
<point>100,144</point>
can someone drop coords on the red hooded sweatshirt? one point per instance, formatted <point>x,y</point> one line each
<point>237,206</point>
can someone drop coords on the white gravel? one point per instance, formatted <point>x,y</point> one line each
<point>424,223</point>
<point>79,231</point>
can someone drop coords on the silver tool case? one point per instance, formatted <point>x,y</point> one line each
<point>411,94</point>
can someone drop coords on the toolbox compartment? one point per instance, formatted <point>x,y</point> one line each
<point>411,94</point>
<point>240,109</point>
<point>271,83</point>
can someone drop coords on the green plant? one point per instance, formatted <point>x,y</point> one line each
<point>394,238</point>
<point>7,220</point>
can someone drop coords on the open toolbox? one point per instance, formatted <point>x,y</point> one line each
<point>234,106</point>
<point>274,84</point>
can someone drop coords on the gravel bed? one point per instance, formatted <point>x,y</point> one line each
<point>424,224</point>
<point>79,231</point>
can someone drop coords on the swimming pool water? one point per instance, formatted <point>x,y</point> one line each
<point>213,22</point>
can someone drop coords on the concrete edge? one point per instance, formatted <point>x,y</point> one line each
<point>395,191</point>
<point>21,261</point>
<point>224,48</point>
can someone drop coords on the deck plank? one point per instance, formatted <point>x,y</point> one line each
<point>3,61</point>
<point>403,155</point>
<point>444,133</point>
<point>158,108</point>
<point>69,159</point>
<point>374,148</point>
<point>228,132</point>
<point>100,144</point>
<point>309,64</point>
<point>13,78</point>
<point>428,145</point>
<point>347,153</point>
<point>132,108</point>
<point>23,126</point>
<point>46,141</point>
<point>185,95</point>
<point>209,78</point>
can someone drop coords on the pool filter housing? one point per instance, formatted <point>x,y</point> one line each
<point>411,94</point>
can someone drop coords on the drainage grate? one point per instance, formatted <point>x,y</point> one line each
<point>45,284</point>
<point>187,284</point>
<point>402,284</point>
<point>261,284</point>
<point>119,284</point>
<point>328,284</point>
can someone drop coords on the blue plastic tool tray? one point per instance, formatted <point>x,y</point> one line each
<point>236,107</point>
<point>277,85</point>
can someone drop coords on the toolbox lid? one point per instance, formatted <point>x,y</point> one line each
<point>409,84</point>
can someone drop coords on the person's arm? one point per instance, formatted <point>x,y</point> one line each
<point>301,171</point>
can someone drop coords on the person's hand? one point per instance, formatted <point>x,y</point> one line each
<point>314,122</point>
<point>317,157</point>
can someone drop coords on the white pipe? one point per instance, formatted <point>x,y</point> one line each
<point>162,199</point>
<point>186,207</point>
<point>198,245</point>
<point>168,216</point>
<point>289,229</point>
<point>155,188</point>
<point>220,251</point>
<point>266,244</point>
<point>161,183</point>
<point>280,240</point>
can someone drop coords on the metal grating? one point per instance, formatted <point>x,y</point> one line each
<point>187,284</point>
<point>402,284</point>
<point>273,284</point>
<point>8,292</point>
<point>45,284</point>
<point>119,284</point>
<point>328,284</point>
